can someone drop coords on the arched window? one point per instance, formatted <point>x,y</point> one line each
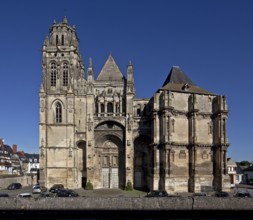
<point>138,110</point>
<point>109,108</point>
<point>53,74</point>
<point>102,108</point>
<point>58,113</point>
<point>62,40</point>
<point>65,74</point>
<point>57,40</point>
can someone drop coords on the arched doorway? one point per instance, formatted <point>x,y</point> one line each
<point>142,163</point>
<point>82,162</point>
<point>111,154</point>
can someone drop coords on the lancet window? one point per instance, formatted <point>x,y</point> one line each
<point>53,74</point>
<point>58,112</point>
<point>65,74</point>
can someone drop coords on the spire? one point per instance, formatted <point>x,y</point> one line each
<point>46,42</point>
<point>90,62</point>
<point>130,71</point>
<point>65,20</point>
<point>90,71</point>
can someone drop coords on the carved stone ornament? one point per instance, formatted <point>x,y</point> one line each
<point>42,105</point>
<point>90,123</point>
<point>42,154</point>
<point>182,154</point>
<point>204,155</point>
<point>70,152</point>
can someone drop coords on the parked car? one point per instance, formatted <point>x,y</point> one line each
<point>4,195</point>
<point>200,194</point>
<point>243,194</point>
<point>222,194</point>
<point>35,185</point>
<point>157,193</point>
<point>55,187</point>
<point>36,189</point>
<point>14,186</point>
<point>24,195</point>
<point>66,193</point>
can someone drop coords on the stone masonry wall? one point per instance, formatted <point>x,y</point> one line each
<point>24,180</point>
<point>174,203</point>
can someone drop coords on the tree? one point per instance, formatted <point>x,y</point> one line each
<point>244,163</point>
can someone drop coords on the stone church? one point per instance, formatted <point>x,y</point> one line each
<point>95,128</point>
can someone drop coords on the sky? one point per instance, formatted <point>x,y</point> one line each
<point>211,41</point>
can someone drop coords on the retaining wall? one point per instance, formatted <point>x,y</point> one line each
<point>124,203</point>
<point>24,180</point>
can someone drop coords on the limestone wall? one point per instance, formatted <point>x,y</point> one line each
<point>173,203</point>
<point>24,180</point>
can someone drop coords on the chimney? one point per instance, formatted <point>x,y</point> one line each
<point>14,148</point>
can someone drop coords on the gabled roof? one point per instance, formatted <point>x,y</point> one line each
<point>231,162</point>
<point>110,71</point>
<point>250,168</point>
<point>178,81</point>
<point>177,76</point>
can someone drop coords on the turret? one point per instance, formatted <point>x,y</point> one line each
<point>130,79</point>
<point>90,77</point>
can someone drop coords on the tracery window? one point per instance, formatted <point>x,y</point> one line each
<point>58,113</point>
<point>109,107</point>
<point>53,74</point>
<point>65,74</point>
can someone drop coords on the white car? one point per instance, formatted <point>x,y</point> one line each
<point>24,195</point>
<point>36,189</point>
<point>37,184</point>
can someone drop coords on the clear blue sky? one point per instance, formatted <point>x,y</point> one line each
<point>211,40</point>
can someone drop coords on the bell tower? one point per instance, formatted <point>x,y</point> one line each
<point>63,76</point>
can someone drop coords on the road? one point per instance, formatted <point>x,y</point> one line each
<point>116,192</point>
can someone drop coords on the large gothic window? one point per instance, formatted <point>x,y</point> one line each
<point>58,113</point>
<point>53,74</point>
<point>65,74</point>
<point>109,108</point>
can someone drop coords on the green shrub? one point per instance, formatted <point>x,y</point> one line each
<point>129,186</point>
<point>89,186</point>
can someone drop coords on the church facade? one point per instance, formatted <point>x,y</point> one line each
<point>97,130</point>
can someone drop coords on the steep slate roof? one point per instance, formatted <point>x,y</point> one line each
<point>179,82</point>
<point>250,168</point>
<point>110,71</point>
<point>231,162</point>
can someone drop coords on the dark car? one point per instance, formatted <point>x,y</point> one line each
<point>243,194</point>
<point>4,195</point>
<point>14,186</point>
<point>222,194</point>
<point>66,193</point>
<point>55,188</point>
<point>157,193</point>
<point>200,194</point>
